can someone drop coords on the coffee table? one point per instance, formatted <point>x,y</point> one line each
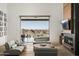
<point>44,50</point>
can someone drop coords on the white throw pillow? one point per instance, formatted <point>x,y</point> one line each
<point>14,46</point>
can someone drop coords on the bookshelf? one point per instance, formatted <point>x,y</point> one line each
<point>3,24</point>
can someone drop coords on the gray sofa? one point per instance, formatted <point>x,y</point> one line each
<point>13,49</point>
<point>45,51</point>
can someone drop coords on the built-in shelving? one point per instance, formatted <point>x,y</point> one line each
<point>3,24</point>
<point>68,34</point>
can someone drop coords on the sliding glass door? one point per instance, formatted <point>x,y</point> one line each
<point>34,30</point>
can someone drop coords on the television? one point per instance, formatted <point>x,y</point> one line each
<point>66,24</point>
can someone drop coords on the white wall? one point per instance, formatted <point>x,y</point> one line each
<point>3,8</point>
<point>15,10</point>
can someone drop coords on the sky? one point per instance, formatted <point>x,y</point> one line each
<point>35,24</point>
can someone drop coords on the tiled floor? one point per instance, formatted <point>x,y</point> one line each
<point>62,51</point>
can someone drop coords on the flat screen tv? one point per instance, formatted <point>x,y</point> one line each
<point>66,24</point>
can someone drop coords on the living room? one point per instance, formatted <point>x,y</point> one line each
<point>15,10</point>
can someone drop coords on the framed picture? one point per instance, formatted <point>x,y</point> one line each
<point>1,24</point>
<point>1,28</point>
<point>0,18</point>
<point>1,34</point>
<point>5,24</point>
<point>1,13</point>
<point>4,14</point>
<point>5,19</point>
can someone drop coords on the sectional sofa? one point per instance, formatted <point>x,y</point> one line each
<point>13,49</point>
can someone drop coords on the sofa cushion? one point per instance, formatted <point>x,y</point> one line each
<point>7,46</point>
<point>11,43</point>
<point>20,48</point>
<point>14,46</point>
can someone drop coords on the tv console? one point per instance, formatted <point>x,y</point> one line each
<point>69,41</point>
